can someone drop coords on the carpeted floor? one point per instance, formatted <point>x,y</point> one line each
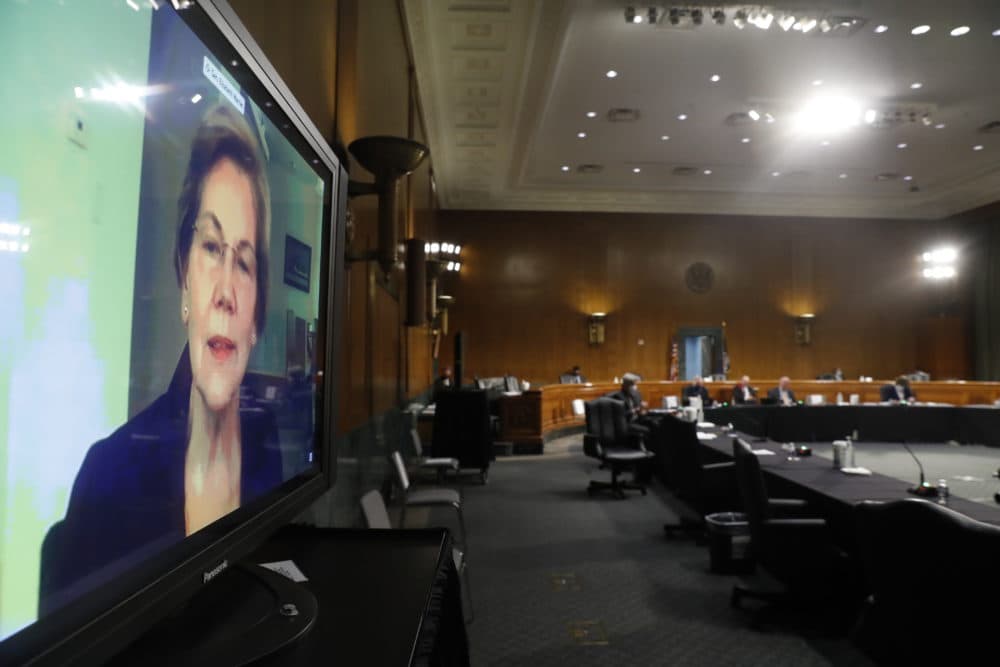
<point>560,578</point>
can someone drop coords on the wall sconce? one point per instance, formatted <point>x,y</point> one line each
<point>389,159</point>
<point>440,324</point>
<point>595,328</point>
<point>440,258</point>
<point>803,328</point>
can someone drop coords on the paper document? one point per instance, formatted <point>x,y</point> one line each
<point>706,436</point>
<point>763,452</point>
<point>286,568</point>
<point>706,425</point>
<point>856,471</point>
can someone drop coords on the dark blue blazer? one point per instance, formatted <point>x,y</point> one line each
<point>127,501</point>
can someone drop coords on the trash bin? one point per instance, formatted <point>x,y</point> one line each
<point>728,542</point>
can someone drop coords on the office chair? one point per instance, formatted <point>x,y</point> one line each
<point>435,496</point>
<point>377,516</point>
<point>798,560</point>
<point>930,572</point>
<point>462,430</point>
<point>439,464</point>
<point>609,439</point>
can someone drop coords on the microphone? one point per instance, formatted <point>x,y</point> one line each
<point>924,489</point>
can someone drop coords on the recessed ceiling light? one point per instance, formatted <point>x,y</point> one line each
<point>920,30</point>
<point>940,126</point>
<point>715,78</point>
<point>881,28</point>
<point>977,147</point>
<point>707,172</point>
<point>682,116</point>
<point>844,175</point>
<point>636,19</point>
<point>870,116</point>
<point>960,30</point>
<point>754,115</point>
<point>916,85</point>
<point>745,140</point>
<point>901,145</point>
<point>636,170</point>
<point>581,135</point>
<point>776,173</point>
<point>665,137</point>
<point>907,178</point>
<point>825,142</point>
<point>565,167</point>
<point>996,33</point>
<point>769,118</point>
<point>591,114</point>
<point>611,74</point>
<point>817,82</point>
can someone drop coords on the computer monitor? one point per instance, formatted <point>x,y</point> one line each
<point>171,225</point>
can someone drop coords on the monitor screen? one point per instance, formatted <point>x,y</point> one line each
<point>167,219</point>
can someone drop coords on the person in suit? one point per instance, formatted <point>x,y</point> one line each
<point>443,382</point>
<point>743,393</point>
<point>782,394</point>
<point>899,392</point>
<point>697,389</point>
<point>573,377</point>
<point>630,396</point>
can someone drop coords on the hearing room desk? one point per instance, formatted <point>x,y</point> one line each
<point>532,418</point>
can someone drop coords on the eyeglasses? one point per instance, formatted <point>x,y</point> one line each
<point>213,249</point>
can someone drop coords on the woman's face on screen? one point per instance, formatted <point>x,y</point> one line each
<point>221,285</point>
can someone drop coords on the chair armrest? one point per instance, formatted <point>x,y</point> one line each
<point>795,524</point>
<point>786,502</point>
<point>712,467</point>
<point>790,508</point>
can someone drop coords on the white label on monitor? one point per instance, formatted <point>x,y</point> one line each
<point>286,568</point>
<point>225,86</point>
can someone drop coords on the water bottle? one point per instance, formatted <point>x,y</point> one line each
<point>942,490</point>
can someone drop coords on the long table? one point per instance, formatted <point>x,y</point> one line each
<point>530,419</point>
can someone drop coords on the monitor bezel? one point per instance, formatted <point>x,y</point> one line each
<point>56,639</point>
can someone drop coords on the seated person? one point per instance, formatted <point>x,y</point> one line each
<point>630,396</point>
<point>782,394</point>
<point>442,383</point>
<point>697,389</point>
<point>898,392</point>
<point>743,393</point>
<point>573,377</point>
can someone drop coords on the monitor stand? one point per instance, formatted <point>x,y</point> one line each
<point>246,614</point>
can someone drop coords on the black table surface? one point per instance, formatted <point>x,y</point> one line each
<point>893,472</point>
<point>373,589</point>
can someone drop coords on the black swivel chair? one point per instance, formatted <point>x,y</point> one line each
<point>610,440</point>
<point>462,430</point>
<point>798,561</point>
<point>932,575</point>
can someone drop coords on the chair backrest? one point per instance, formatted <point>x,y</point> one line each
<point>462,428</point>
<point>418,447</point>
<point>606,423</point>
<point>929,569</point>
<point>887,392</point>
<point>678,458</point>
<point>578,409</point>
<point>401,477</point>
<point>373,508</point>
<point>753,492</point>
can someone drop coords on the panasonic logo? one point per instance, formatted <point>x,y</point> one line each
<point>214,572</point>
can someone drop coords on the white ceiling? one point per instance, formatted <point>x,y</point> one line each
<point>505,85</point>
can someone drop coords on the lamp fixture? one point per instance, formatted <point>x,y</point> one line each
<point>761,16</point>
<point>803,328</point>
<point>595,328</point>
<point>940,263</point>
<point>442,257</point>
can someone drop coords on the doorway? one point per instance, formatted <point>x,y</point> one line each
<point>700,351</point>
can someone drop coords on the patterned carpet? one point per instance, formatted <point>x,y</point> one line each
<point>559,578</point>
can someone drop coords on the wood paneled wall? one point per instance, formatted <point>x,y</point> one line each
<point>347,63</point>
<point>529,280</point>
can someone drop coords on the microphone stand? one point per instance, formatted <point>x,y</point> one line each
<point>924,489</point>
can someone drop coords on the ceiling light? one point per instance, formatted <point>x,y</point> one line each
<point>196,98</point>
<point>591,114</point>
<point>977,147</point>
<point>881,28</point>
<point>581,135</point>
<point>940,126</point>
<point>960,30</point>
<point>636,170</point>
<point>824,26</point>
<point>916,85</point>
<point>843,176</point>
<point>921,30</point>
<point>817,82</point>
<point>940,272</point>
<point>565,167</point>
<point>901,145</point>
<point>765,21</point>
<point>611,74</point>
<point>715,78</point>
<point>707,172</point>
<point>786,22</point>
<point>776,173</point>
<point>745,140</point>
<point>769,118</point>
<point>682,116</point>
<point>825,142</point>
<point>719,16</point>
<point>870,116</point>
<point>827,114</point>
<point>942,255</point>
<point>665,137</point>
<point>753,114</point>
<point>630,15</point>
<point>996,33</point>
<point>808,25</point>
<point>740,19</point>
<point>907,178</point>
